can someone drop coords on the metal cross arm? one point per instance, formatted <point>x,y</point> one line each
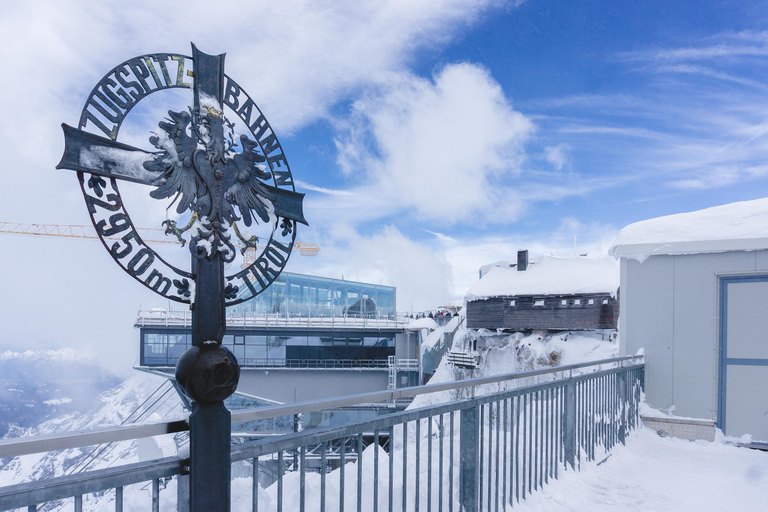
<point>87,152</point>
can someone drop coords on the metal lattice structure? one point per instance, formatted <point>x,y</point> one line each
<point>152,235</point>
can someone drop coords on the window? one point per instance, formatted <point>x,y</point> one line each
<point>539,302</point>
<point>605,301</point>
<point>591,301</point>
<point>564,302</point>
<point>254,354</point>
<point>577,302</point>
<point>512,303</point>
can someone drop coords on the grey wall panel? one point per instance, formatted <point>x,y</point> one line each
<point>669,306</point>
<point>298,385</point>
<point>761,260</point>
<point>647,299</point>
<point>696,328</point>
<point>407,344</point>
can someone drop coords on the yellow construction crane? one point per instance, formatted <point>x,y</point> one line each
<point>151,235</point>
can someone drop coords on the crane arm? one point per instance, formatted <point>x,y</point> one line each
<point>151,235</point>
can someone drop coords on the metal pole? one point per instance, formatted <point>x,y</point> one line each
<point>622,391</point>
<point>182,493</point>
<point>208,372</point>
<point>469,448</point>
<point>569,433</point>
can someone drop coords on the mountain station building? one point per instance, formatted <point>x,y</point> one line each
<point>695,299</point>
<point>304,338</point>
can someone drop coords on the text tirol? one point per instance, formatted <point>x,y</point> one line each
<point>267,267</point>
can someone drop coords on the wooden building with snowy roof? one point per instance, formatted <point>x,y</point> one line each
<point>559,294</point>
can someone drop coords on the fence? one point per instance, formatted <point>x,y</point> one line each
<point>472,452</point>
<point>183,318</point>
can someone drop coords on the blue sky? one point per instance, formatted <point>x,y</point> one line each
<point>429,137</point>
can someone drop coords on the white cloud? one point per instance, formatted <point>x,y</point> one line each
<point>726,46</point>
<point>297,58</point>
<point>420,272</point>
<point>721,176</point>
<point>322,190</point>
<point>446,148</point>
<point>557,156</point>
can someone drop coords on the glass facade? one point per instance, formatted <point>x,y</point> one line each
<point>332,349</point>
<point>303,295</point>
<point>295,295</point>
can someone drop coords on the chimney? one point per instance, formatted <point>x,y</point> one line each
<point>522,260</point>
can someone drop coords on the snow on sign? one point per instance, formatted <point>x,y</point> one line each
<point>195,165</point>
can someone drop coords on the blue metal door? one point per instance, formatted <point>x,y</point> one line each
<point>743,372</point>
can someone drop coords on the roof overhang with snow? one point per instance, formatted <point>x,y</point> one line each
<point>549,275</point>
<point>741,226</point>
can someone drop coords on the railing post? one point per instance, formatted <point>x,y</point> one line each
<point>469,448</point>
<point>623,416</point>
<point>569,423</point>
<point>182,493</point>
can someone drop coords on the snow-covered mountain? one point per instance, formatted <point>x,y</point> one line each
<point>36,385</point>
<point>142,397</point>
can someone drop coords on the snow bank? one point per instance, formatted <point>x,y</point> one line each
<point>549,275</point>
<point>735,226</point>
<point>655,473</point>
<point>421,323</point>
<point>510,353</point>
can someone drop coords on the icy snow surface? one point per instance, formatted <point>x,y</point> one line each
<point>436,335</point>
<point>652,473</point>
<point>550,275</point>
<point>421,323</point>
<point>735,226</point>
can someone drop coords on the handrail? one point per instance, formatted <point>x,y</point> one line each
<point>26,445</point>
<point>16,446</point>
<point>182,318</point>
<point>272,411</point>
<point>21,495</point>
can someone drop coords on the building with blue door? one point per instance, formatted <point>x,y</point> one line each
<point>694,296</point>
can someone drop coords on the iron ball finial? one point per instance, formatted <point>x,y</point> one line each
<point>208,373</point>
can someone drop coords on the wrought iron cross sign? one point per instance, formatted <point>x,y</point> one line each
<point>197,165</point>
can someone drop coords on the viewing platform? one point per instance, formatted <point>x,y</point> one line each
<point>159,317</point>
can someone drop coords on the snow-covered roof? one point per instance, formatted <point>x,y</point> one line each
<point>741,226</point>
<point>550,275</point>
<point>421,323</point>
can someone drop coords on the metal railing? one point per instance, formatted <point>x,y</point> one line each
<point>183,318</point>
<point>494,441</point>
<point>307,364</point>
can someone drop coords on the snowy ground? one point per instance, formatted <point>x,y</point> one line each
<point>653,474</point>
<point>650,473</point>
